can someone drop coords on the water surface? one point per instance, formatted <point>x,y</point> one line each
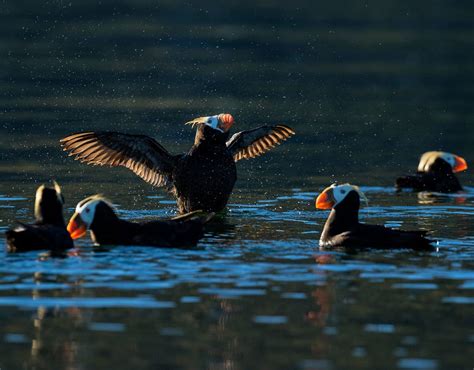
<point>367,86</point>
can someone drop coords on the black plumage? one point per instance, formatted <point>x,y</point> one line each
<point>343,229</point>
<point>49,230</point>
<point>97,215</point>
<point>201,179</point>
<point>436,173</point>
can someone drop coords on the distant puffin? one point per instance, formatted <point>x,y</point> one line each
<point>202,178</point>
<point>97,214</point>
<point>435,173</point>
<point>48,231</point>
<point>343,228</point>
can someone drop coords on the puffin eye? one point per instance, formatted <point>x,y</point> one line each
<point>343,191</point>
<point>87,210</point>
<point>209,120</point>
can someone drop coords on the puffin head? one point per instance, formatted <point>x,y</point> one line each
<point>220,122</point>
<point>49,204</point>
<point>335,194</point>
<point>86,211</point>
<point>428,159</point>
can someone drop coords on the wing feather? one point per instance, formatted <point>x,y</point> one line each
<point>253,143</point>
<point>139,153</point>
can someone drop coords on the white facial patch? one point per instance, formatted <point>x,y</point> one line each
<point>213,121</point>
<point>448,157</point>
<point>340,192</point>
<point>87,211</point>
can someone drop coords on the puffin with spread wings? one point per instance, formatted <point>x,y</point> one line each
<point>202,178</point>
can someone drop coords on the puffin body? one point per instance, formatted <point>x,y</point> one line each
<point>201,179</point>
<point>436,172</point>
<point>343,228</point>
<point>209,155</point>
<point>48,231</point>
<point>96,214</point>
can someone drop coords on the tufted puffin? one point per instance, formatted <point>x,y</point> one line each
<point>202,178</point>
<point>435,173</point>
<point>343,228</point>
<point>48,231</point>
<point>97,214</point>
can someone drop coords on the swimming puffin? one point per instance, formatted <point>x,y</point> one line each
<point>435,173</point>
<point>48,231</point>
<point>202,178</point>
<point>97,214</point>
<point>343,228</point>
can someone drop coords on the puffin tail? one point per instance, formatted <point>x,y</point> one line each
<point>201,216</point>
<point>17,237</point>
<point>420,240</point>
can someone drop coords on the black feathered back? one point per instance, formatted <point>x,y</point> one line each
<point>343,229</point>
<point>48,231</point>
<point>438,178</point>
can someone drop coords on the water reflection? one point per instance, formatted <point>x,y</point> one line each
<point>322,295</point>
<point>425,197</point>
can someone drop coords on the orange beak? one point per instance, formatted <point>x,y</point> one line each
<point>226,121</point>
<point>76,227</point>
<point>325,200</point>
<point>460,164</point>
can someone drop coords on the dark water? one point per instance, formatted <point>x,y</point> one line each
<point>368,86</point>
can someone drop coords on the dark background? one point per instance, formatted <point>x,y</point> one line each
<point>368,85</point>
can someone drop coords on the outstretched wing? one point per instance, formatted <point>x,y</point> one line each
<point>139,153</point>
<point>252,143</point>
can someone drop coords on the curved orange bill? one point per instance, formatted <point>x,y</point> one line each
<point>460,164</point>
<point>325,200</point>
<point>76,227</point>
